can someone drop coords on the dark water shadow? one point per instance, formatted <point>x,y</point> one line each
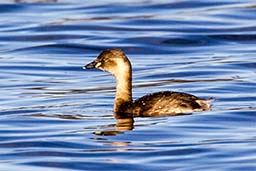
<point>35,1</point>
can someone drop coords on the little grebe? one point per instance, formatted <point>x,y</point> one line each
<point>162,103</point>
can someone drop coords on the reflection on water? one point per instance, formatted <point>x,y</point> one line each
<point>122,125</point>
<point>55,116</point>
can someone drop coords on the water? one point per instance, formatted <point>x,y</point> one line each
<point>53,112</point>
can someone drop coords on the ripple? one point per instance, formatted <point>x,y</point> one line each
<point>56,116</point>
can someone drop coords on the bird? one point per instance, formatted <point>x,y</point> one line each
<point>161,103</point>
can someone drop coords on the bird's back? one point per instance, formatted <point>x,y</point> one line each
<point>166,103</point>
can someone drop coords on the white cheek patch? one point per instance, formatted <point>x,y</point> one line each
<point>122,66</point>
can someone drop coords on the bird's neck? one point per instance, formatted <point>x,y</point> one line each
<point>123,88</point>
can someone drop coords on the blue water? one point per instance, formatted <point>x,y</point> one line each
<point>52,112</point>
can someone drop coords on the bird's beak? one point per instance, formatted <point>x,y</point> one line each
<point>90,65</point>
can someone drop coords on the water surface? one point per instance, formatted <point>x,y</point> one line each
<point>53,112</point>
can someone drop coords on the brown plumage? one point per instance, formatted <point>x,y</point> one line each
<point>163,103</point>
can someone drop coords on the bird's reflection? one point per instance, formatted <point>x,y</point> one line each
<point>123,124</point>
